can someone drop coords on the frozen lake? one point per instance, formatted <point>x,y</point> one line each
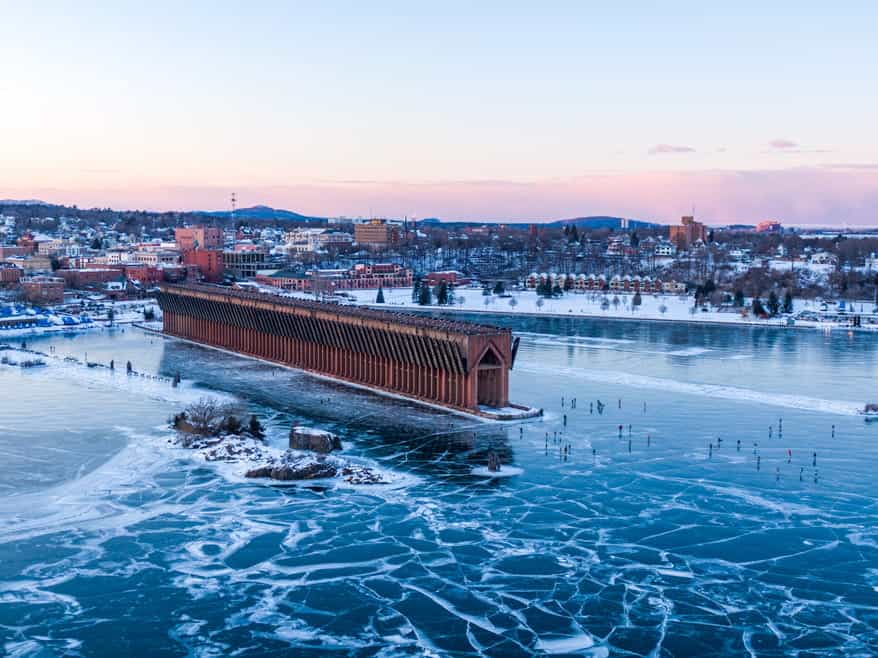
<point>639,541</point>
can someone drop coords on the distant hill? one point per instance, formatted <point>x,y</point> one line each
<point>602,222</point>
<point>23,202</point>
<point>264,212</point>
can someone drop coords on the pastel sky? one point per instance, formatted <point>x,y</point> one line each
<point>462,110</point>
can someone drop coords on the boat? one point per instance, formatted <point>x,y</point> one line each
<point>870,412</point>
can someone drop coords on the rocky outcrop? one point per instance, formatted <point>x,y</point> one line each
<point>281,470</point>
<point>358,475</point>
<point>263,461</point>
<point>314,440</point>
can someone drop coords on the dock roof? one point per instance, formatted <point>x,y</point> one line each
<point>393,317</point>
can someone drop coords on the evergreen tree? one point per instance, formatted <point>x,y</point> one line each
<point>739,298</point>
<point>499,289</point>
<point>636,300</point>
<point>96,244</point>
<point>635,239</point>
<point>773,303</point>
<point>787,302</point>
<point>556,291</point>
<point>424,296</point>
<point>442,293</point>
<point>573,236</point>
<point>255,428</point>
<point>380,298</point>
<point>757,307</point>
<point>416,290</point>
<point>232,425</point>
<point>568,283</point>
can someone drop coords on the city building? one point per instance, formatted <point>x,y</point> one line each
<point>386,275</point>
<point>305,240</point>
<point>13,250</point>
<point>244,263</point>
<point>286,280</point>
<point>193,237</point>
<point>210,263</point>
<point>359,277</point>
<point>156,257</point>
<point>43,290</point>
<point>378,233</point>
<point>769,226</point>
<point>31,263</point>
<point>88,277</point>
<point>9,275</point>
<point>687,233</point>
<point>450,277</point>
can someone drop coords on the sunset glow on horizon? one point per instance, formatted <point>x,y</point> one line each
<point>498,112</point>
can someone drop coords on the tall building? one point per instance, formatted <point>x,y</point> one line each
<point>688,232</point>
<point>198,237</point>
<point>244,264</point>
<point>210,263</point>
<point>377,233</point>
<point>768,226</point>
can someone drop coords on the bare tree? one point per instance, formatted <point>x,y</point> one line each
<point>208,416</point>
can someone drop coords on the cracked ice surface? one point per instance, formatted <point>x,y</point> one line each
<point>648,543</point>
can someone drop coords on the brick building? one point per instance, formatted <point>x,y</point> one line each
<point>193,237</point>
<point>7,250</point>
<point>210,263</point>
<point>450,277</point>
<point>687,233</point>
<point>89,277</point>
<point>9,275</point>
<point>377,233</point>
<point>43,290</point>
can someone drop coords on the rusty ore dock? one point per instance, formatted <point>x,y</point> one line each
<point>462,366</point>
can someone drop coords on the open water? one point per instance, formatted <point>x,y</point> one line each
<point>644,541</point>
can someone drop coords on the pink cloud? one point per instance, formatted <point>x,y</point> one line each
<point>670,148</point>
<point>783,144</point>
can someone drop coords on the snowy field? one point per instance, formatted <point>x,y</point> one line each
<point>676,308</point>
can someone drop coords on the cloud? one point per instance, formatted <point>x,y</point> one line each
<point>783,144</point>
<point>670,148</point>
<point>867,166</point>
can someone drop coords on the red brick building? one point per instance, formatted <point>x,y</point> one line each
<point>89,277</point>
<point>7,250</point>
<point>9,275</point>
<point>146,275</point>
<point>687,233</point>
<point>208,261</point>
<point>43,290</point>
<point>378,233</point>
<point>198,237</point>
<point>450,277</point>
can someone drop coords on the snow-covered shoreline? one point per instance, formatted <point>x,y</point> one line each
<point>653,308</point>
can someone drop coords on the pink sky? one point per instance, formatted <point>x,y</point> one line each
<point>833,195</point>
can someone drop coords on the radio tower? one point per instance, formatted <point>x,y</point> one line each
<point>234,205</point>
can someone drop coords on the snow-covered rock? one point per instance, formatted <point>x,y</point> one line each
<point>308,438</point>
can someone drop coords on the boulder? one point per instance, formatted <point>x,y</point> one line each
<point>293,471</point>
<point>308,438</point>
